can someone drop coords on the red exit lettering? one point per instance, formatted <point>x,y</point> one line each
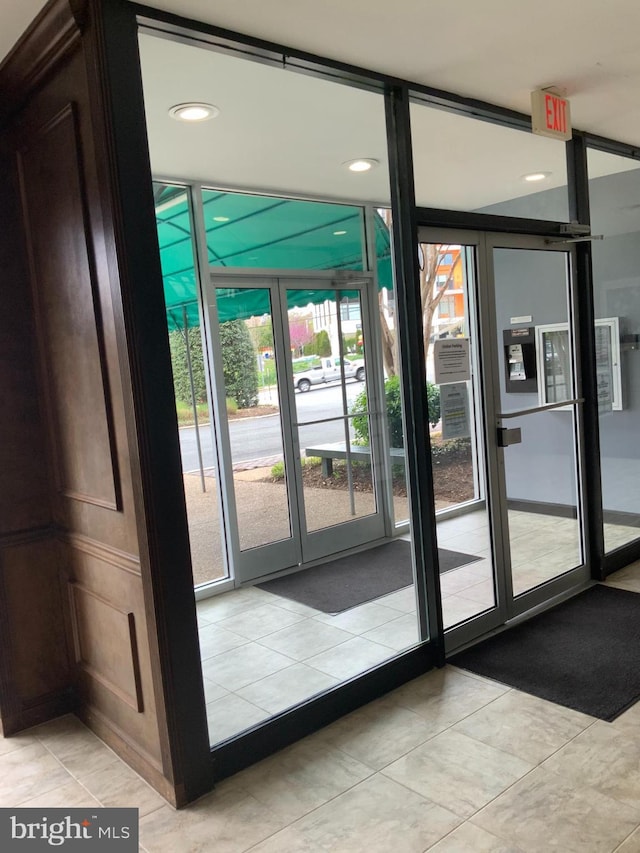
<point>555,113</point>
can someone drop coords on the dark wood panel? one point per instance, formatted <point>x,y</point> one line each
<point>35,638</point>
<point>105,644</point>
<point>138,684</point>
<point>24,496</point>
<point>74,376</point>
<point>114,679</point>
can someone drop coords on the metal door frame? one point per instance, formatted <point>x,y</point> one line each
<point>489,419</point>
<point>302,548</point>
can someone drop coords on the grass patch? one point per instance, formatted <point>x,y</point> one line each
<point>185,413</point>
<point>277,471</point>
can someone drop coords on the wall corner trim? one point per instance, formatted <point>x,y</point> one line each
<point>51,35</point>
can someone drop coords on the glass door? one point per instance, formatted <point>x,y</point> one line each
<point>538,417</point>
<point>248,372</point>
<point>335,429</point>
<point>297,350</point>
<point>451,270</point>
<point>498,316</point>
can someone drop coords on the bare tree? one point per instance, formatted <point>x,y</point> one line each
<point>432,256</point>
<point>388,335</point>
<point>432,261</point>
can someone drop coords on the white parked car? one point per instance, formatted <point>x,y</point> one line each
<point>328,371</point>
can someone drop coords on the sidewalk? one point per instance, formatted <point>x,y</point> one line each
<point>262,515</point>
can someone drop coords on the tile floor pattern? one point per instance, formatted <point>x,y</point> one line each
<point>262,653</point>
<point>449,763</point>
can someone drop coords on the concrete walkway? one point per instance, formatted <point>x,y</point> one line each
<point>262,515</point>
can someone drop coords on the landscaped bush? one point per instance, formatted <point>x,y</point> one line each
<point>393,398</point>
<point>452,449</point>
<point>179,365</point>
<point>320,345</point>
<point>239,363</point>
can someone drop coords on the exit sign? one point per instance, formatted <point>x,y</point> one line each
<point>550,114</point>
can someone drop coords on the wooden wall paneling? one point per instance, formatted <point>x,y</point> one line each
<point>118,119</point>
<point>105,644</point>
<point>79,378</point>
<point>24,496</point>
<point>68,317</point>
<point>38,671</point>
<point>115,677</point>
<point>52,35</point>
<point>115,502</point>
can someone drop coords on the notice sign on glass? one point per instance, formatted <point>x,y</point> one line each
<point>451,360</point>
<point>604,368</point>
<point>454,411</point>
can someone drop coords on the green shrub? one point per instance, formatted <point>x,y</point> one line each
<point>393,396</point>
<point>454,448</point>
<point>180,368</point>
<point>239,364</point>
<point>320,345</point>
<point>433,403</point>
<point>277,471</point>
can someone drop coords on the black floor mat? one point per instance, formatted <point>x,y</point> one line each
<point>365,576</point>
<point>584,654</point>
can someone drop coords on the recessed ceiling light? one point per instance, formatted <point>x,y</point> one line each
<point>193,111</point>
<point>220,218</point>
<point>339,233</point>
<point>532,177</point>
<point>362,164</point>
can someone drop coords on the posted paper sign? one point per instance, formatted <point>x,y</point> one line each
<point>604,369</point>
<point>454,410</point>
<point>451,360</point>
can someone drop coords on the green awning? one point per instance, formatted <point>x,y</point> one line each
<point>262,232</point>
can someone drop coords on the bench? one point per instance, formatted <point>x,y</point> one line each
<point>338,450</point>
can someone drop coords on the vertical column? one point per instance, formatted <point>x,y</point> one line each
<point>156,466</point>
<point>578,181</point>
<point>413,368</point>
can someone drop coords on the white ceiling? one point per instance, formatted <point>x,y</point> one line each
<point>286,132</point>
<point>497,50</point>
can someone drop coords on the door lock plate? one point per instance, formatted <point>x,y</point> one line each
<point>508,436</point>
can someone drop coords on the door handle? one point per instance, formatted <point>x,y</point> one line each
<point>508,436</point>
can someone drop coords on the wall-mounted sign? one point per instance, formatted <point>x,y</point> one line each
<point>550,114</point>
<point>454,411</point>
<point>451,360</point>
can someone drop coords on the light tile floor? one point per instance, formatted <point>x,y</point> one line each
<point>262,653</point>
<point>450,763</point>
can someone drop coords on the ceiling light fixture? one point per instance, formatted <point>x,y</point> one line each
<point>193,111</point>
<point>532,177</point>
<point>220,218</point>
<point>362,164</point>
<point>339,233</point>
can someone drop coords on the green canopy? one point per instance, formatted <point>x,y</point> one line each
<point>261,232</point>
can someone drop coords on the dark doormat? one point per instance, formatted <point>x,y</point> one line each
<point>584,654</point>
<point>349,581</point>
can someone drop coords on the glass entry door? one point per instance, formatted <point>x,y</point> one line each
<point>296,352</point>
<point>538,418</point>
<point>520,411</point>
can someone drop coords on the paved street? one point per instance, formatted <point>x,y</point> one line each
<point>255,438</point>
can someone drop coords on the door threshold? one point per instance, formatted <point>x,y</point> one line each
<point>522,617</point>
